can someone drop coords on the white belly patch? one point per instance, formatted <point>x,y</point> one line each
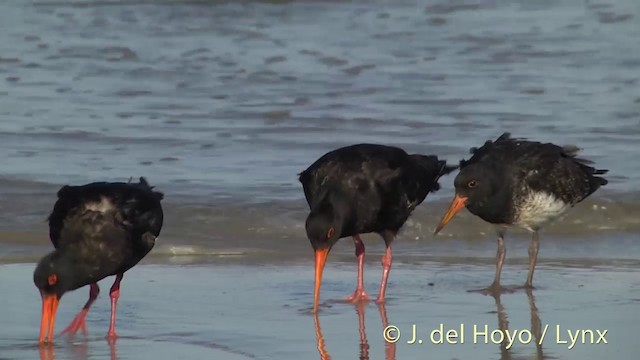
<point>538,208</point>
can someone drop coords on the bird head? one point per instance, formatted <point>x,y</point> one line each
<point>323,232</point>
<point>53,277</point>
<point>475,187</point>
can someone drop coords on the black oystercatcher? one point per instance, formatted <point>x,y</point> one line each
<point>361,189</point>
<point>98,230</point>
<point>511,182</point>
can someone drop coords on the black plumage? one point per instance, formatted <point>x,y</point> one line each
<point>361,189</point>
<point>534,167</point>
<point>98,230</point>
<point>523,183</point>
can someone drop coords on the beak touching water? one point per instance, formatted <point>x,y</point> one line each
<point>457,204</point>
<point>321,259</point>
<point>47,322</point>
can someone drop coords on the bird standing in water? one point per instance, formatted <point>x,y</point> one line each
<point>515,182</point>
<point>361,189</point>
<point>98,230</point>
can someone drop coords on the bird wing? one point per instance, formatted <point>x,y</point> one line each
<point>105,208</point>
<point>559,168</point>
<point>355,170</point>
<point>494,152</point>
<point>541,166</point>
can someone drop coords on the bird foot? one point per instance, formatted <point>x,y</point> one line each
<point>527,287</point>
<point>358,296</point>
<point>380,300</point>
<point>78,323</point>
<point>494,290</point>
<point>111,336</point>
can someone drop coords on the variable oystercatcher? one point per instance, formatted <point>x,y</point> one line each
<point>515,182</point>
<point>360,189</point>
<point>98,230</point>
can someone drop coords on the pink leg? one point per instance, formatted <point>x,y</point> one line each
<point>386,267</point>
<point>115,294</point>
<point>78,322</point>
<point>359,294</point>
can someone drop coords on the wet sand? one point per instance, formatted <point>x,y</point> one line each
<point>232,308</point>
<point>220,104</point>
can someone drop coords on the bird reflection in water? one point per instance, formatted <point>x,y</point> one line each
<point>390,349</point>
<point>46,352</point>
<point>76,350</point>
<point>536,327</point>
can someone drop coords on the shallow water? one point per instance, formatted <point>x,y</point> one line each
<point>236,311</point>
<point>221,104</point>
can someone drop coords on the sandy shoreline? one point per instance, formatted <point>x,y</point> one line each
<point>262,312</point>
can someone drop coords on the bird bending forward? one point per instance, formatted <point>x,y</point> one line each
<point>361,189</point>
<point>98,230</point>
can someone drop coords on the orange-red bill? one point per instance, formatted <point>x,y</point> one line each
<point>321,259</point>
<point>456,205</point>
<point>48,320</point>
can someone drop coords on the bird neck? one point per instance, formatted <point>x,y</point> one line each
<point>334,210</point>
<point>74,269</point>
<point>496,208</point>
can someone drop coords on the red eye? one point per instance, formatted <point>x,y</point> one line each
<point>52,279</point>
<point>330,233</point>
<point>472,184</point>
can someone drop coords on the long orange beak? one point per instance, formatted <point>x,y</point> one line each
<point>456,205</point>
<point>49,309</point>
<point>321,259</point>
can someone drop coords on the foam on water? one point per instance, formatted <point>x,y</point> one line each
<point>220,105</point>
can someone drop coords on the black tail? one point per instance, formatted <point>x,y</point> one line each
<point>432,164</point>
<point>595,182</point>
<point>446,169</point>
<point>302,176</point>
<point>600,180</point>
<point>143,184</point>
<point>433,168</point>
